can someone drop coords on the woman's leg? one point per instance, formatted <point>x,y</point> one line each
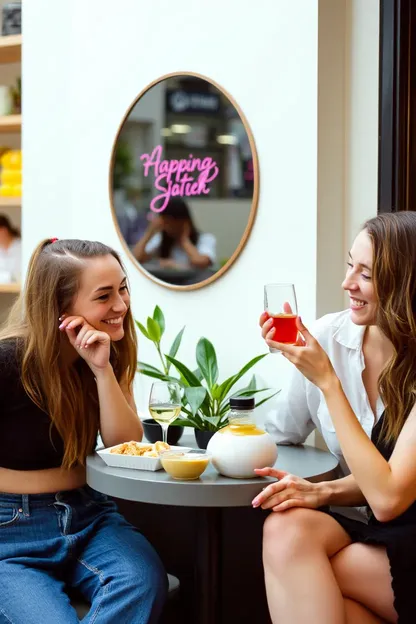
<point>300,583</point>
<point>357,614</point>
<point>29,595</point>
<point>121,575</point>
<point>363,575</point>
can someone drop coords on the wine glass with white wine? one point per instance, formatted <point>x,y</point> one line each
<point>165,404</point>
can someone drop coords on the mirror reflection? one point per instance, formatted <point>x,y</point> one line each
<point>184,181</point>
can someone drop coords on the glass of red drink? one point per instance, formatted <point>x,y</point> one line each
<point>280,305</point>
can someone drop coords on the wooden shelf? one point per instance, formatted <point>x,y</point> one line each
<point>10,52</point>
<point>10,49</point>
<point>7,202</point>
<point>10,123</point>
<point>13,289</point>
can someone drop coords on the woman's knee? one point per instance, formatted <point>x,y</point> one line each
<point>289,532</point>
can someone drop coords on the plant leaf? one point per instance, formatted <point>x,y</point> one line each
<point>229,383</point>
<point>182,422</point>
<point>267,398</point>
<point>160,319</point>
<point>225,405</point>
<point>215,392</point>
<point>143,330</point>
<point>188,375</point>
<point>192,380</point>
<point>152,371</point>
<point>213,420</point>
<point>207,361</point>
<point>195,397</point>
<point>153,330</point>
<point>245,392</point>
<point>252,383</point>
<point>143,366</point>
<point>175,345</point>
<point>198,374</point>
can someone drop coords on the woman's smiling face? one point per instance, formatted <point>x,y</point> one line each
<point>358,281</point>
<point>103,298</point>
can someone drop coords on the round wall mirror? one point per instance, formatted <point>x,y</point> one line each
<point>184,181</point>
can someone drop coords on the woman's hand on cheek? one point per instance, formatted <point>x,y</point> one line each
<point>310,359</point>
<point>92,345</point>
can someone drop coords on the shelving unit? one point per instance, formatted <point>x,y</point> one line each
<point>11,123</point>
<point>10,52</point>
<point>10,289</point>
<point>8,202</point>
<point>10,49</point>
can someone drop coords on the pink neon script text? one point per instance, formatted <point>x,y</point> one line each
<point>172,176</point>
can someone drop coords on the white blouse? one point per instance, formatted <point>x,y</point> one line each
<point>301,405</point>
<point>10,261</point>
<point>206,246</point>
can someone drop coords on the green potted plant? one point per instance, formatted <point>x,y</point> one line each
<point>205,402</point>
<point>123,164</point>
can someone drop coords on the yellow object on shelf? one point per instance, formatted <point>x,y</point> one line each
<point>12,159</point>
<point>11,176</point>
<point>11,173</point>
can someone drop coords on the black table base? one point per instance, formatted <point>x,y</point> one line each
<point>208,579</point>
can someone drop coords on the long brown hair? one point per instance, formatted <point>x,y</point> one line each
<point>393,236</point>
<point>67,392</point>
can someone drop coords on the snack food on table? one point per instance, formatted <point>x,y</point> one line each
<point>142,450</point>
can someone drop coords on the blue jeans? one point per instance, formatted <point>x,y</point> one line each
<point>75,539</point>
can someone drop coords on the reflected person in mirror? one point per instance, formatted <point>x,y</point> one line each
<point>321,566</point>
<point>10,251</point>
<point>68,356</point>
<point>173,239</point>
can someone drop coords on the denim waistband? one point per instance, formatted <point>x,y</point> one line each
<point>26,501</point>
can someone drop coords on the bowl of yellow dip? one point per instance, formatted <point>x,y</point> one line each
<point>185,465</point>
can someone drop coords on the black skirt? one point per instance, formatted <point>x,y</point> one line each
<point>399,539</point>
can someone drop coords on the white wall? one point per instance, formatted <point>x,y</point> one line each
<point>361,115</point>
<point>103,56</point>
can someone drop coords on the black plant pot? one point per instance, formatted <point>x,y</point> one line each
<point>203,437</point>
<point>153,432</point>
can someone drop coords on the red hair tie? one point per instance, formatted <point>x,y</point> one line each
<point>53,240</point>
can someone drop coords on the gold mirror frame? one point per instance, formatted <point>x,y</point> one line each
<point>254,201</point>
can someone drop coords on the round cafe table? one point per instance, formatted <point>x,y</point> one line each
<point>210,494</point>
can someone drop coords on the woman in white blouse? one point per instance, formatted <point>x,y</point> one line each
<point>173,238</point>
<point>358,357</point>
<point>325,567</point>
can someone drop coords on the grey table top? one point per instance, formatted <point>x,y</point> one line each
<point>211,489</point>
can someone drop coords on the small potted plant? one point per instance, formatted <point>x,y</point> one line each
<point>205,402</point>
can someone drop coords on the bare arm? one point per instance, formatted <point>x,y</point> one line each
<point>119,421</point>
<point>388,486</point>
<point>139,250</point>
<point>118,417</point>
<point>292,491</point>
<point>195,258</point>
<point>341,492</point>
<point>290,421</point>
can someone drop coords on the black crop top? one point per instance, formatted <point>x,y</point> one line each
<point>27,441</point>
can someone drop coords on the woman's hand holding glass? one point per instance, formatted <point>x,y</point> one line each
<point>289,491</point>
<point>310,359</point>
<point>268,331</point>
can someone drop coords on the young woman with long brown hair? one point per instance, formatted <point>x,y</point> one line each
<point>323,567</point>
<point>67,362</point>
